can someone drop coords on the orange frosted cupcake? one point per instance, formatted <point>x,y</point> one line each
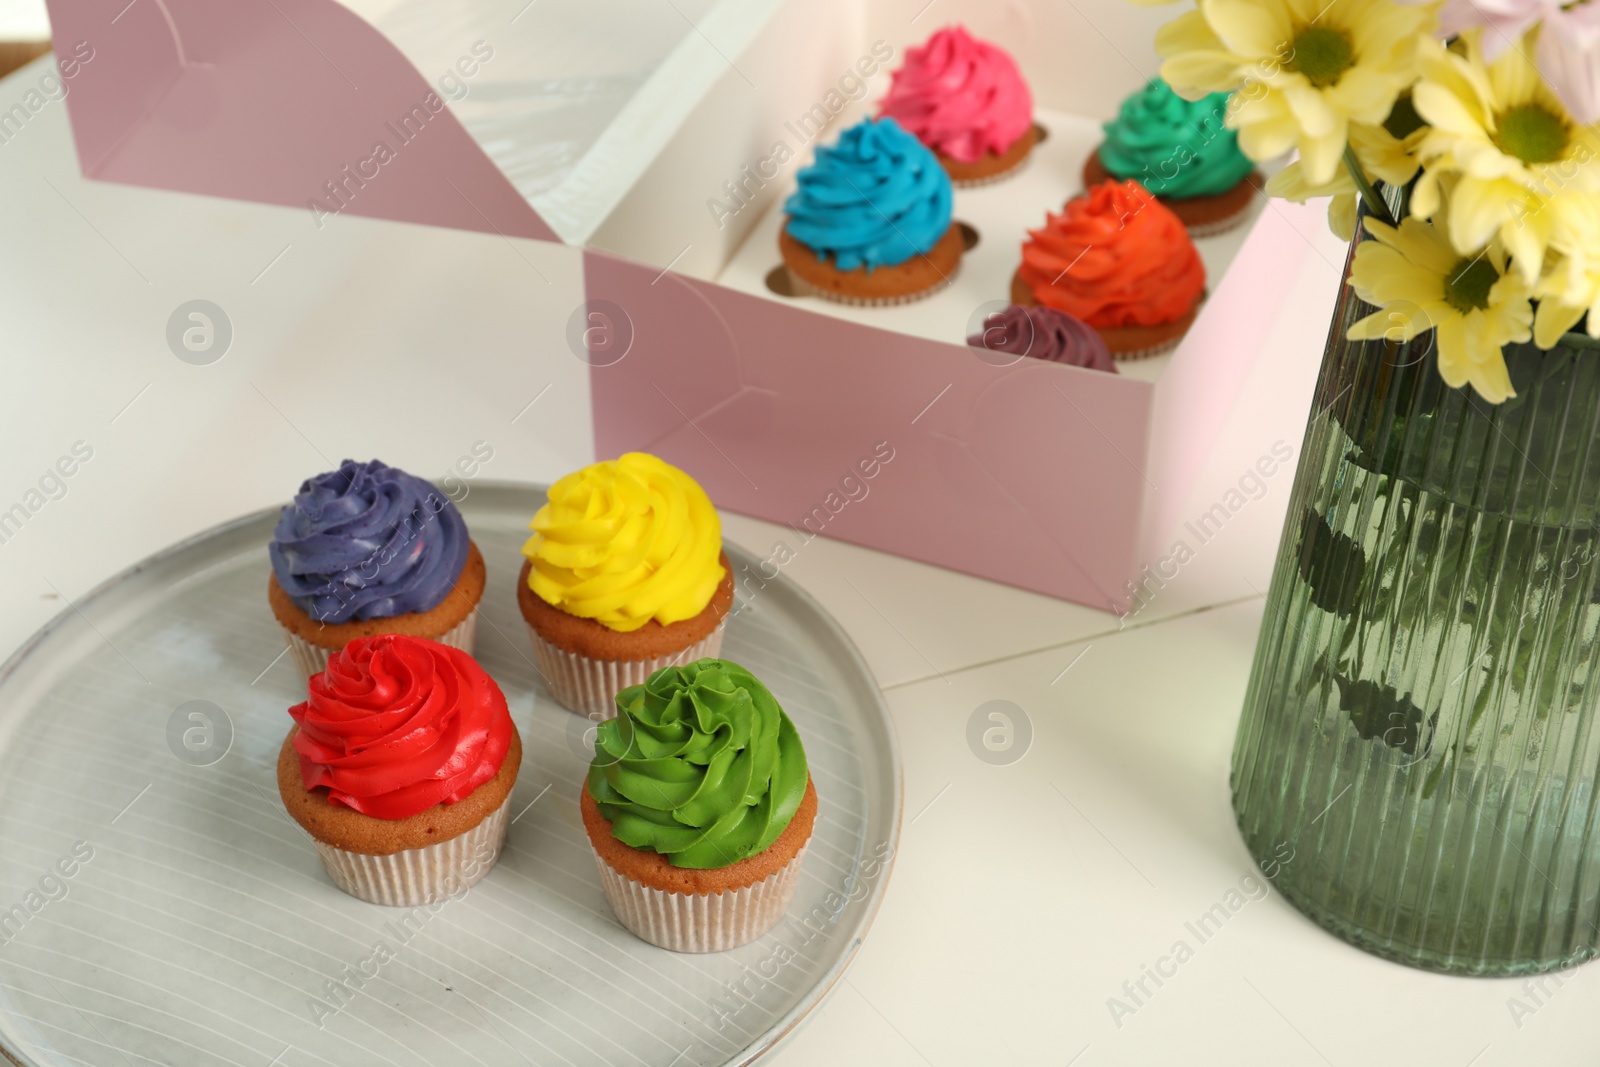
<point>624,575</point>
<point>699,805</point>
<point>1122,262</point>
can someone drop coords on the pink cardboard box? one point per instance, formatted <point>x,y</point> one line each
<point>876,426</point>
<point>1053,478</point>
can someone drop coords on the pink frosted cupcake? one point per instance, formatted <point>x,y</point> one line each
<point>966,100</point>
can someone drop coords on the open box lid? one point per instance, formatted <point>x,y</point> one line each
<point>580,96</point>
<point>525,119</point>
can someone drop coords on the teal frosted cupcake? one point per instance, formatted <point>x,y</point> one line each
<point>1180,150</point>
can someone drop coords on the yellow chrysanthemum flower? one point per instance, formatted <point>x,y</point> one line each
<point>1419,282</point>
<point>1570,285</point>
<point>1290,184</point>
<point>1302,70</point>
<point>1511,148</point>
<point>1386,153</point>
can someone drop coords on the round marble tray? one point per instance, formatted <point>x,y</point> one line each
<point>157,905</point>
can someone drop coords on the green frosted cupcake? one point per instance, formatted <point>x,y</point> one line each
<point>1182,151</point>
<point>699,805</point>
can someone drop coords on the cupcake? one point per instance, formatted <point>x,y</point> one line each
<point>699,807</point>
<point>400,766</point>
<point>625,574</point>
<point>1118,259</point>
<point>1042,333</point>
<point>1179,150</point>
<point>369,549</point>
<point>870,223</point>
<point>966,100</point>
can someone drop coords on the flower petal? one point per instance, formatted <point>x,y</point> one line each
<point>1554,319</point>
<point>1248,27</point>
<point>1342,216</point>
<point>1365,94</point>
<point>1451,344</point>
<point>1477,209</point>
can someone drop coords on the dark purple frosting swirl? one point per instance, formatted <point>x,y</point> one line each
<point>1044,333</point>
<point>368,541</point>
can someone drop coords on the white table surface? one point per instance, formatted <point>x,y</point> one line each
<point>1024,895</point>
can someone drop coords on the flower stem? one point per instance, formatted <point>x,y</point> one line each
<point>1369,195</point>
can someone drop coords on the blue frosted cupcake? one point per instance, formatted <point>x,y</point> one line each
<point>870,223</point>
<point>369,549</point>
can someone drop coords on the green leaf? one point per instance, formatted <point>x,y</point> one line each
<point>1331,564</point>
<point>1380,711</point>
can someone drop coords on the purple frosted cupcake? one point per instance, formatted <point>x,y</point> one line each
<point>369,549</point>
<point>1041,333</point>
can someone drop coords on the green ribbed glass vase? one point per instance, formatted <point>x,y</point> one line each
<point>1415,767</point>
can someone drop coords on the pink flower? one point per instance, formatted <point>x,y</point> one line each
<point>1568,55</point>
<point>1503,21</point>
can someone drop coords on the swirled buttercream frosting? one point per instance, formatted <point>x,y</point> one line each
<point>1174,147</point>
<point>398,724</point>
<point>875,199</point>
<point>368,541</point>
<point>961,96</point>
<point>626,541</point>
<point>1115,256</point>
<point>1044,333</point>
<point>700,765</point>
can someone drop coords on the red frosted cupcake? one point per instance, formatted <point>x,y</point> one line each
<point>1122,262</point>
<point>400,767</point>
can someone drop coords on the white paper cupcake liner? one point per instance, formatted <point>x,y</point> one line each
<point>1212,229</point>
<point>999,176</point>
<point>589,687</point>
<point>313,659</point>
<point>1148,353</point>
<point>805,288</point>
<point>1164,347</point>
<point>1040,134</point>
<point>416,876</point>
<point>700,922</point>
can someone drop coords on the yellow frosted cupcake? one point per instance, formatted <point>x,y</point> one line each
<point>625,574</point>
